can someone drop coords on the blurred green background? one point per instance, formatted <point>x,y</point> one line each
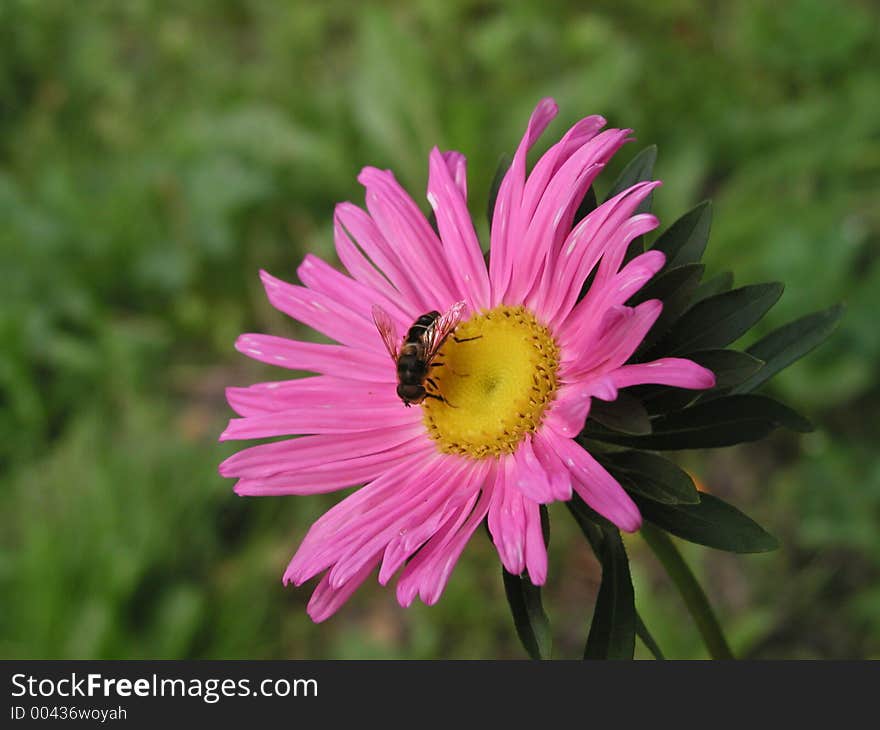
<point>154,155</point>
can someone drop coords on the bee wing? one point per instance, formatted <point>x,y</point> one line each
<point>387,329</point>
<point>443,327</point>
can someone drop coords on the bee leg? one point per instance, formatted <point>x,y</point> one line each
<point>438,364</point>
<point>440,398</point>
<point>466,339</point>
<point>432,382</point>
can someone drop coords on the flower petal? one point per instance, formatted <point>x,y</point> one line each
<point>314,357</point>
<point>405,227</point>
<point>330,417</point>
<point>673,371</point>
<point>335,475</point>
<point>280,395</point>
<point>322,314</point>
<point>596,486</point>
<point>327,600</point>
<point>507,226</point>
<point>308,452</point>
<point>320,276</point>
<point>354,225</point>
<point>460,244</point>
<point>621,332</point>
<point>589,241</point>
<point>428,572</point>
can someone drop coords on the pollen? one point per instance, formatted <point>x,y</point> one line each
<point>496,375</point>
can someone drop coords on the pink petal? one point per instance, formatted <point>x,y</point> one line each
<point>560,479</point>
<point>673,371</point>
<point>622,331</point>
<point>274,396</point>
<point>615,289</point>
<point>354,225</point>
<point>331,417</point>
<point>460,244</point>
<point>310,451</point>
<point>596,486</point>
<point>428,572</point>
<point>515,524</point>
<point>335,475</point>
<point>529,476</point>
<point>337,360</point>
<point>327,600</point>
<point>550,162</point>
<point>587,243</point>
<point>536,549</point>
<point>507,226</point>
<point>554,215</point>
<point>423,504</point>
<point>362,514</point>
<point>322,314</point>
<point>405,227</point>
<point>321,277</point>
<point>457,165</point>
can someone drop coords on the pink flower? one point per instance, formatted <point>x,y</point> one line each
<point>513,385</point>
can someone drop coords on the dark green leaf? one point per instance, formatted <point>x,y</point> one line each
<point>712,523</point>
<point>625,415</point>
<point>651,476</point>
<point>691,592</point>
<point>730,366</point>
<point>532,624</point>
<point>500,171</point>
<point>716,285</point>
<point>725,421</point>
<point>648,640</point>
<point>587,206</point>
<point>789,343</point>
<point>612,631</point>
<point>639,169</point>
<point>675,288</point>
<point>721,319</point>
<point>685,240</point>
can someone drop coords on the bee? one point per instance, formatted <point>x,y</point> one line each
<point>415,355</point>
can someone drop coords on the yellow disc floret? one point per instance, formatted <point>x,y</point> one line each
<point>496,375</point>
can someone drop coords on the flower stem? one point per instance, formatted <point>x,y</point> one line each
<point>690,590</point>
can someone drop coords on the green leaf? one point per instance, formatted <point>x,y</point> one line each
<point>721,319</point>
<point>626,414</point>
<point>724,421</point>
<point>712,522</point>
<point>690,590</point>
<point>639,169</point>
<point>651,476</point>
<point>613,629</point>
<point>532,624</point>
<point>685,240</point>
<point>648,640</point>
<point>730,366</point>
<point>789,343</point>
<point>675,288</point>
<point>716,285</point>
<point>500,171</point>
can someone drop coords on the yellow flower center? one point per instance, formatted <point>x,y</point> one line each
<point>497,375</point>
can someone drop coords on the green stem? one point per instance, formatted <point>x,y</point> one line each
<point>693,595</point>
